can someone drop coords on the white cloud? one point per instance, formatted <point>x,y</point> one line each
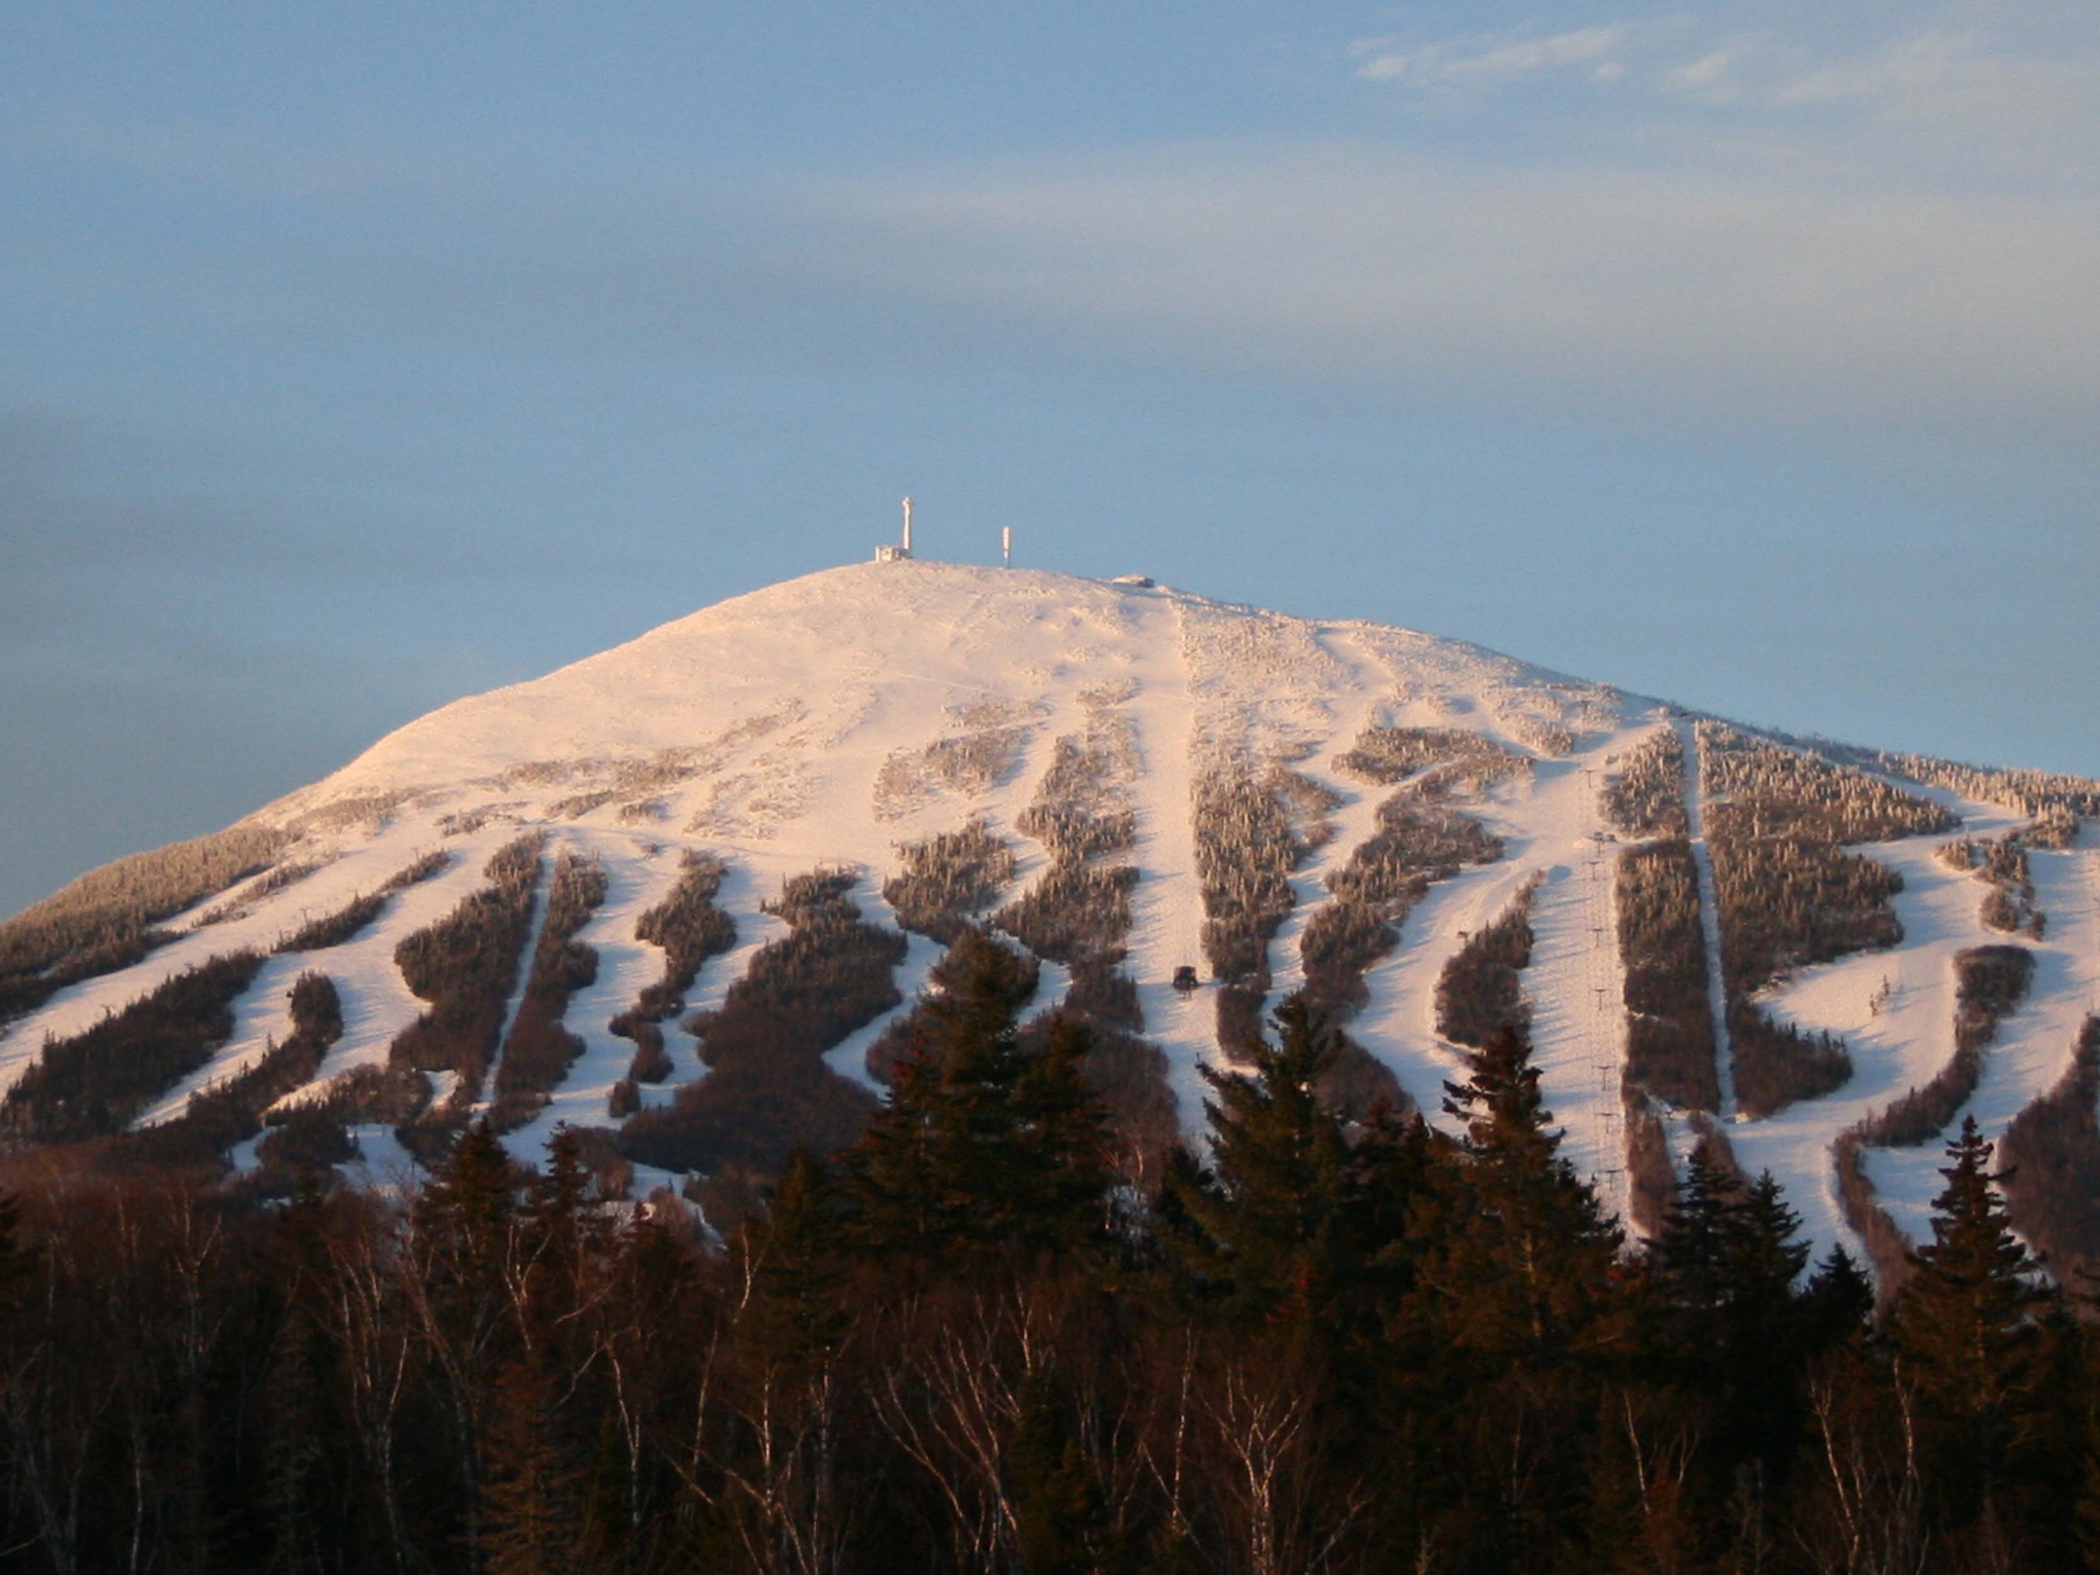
<point>1714,77</point>
<point>1484,59</point>
<point>1659,287</point>
<point>1963,85</point>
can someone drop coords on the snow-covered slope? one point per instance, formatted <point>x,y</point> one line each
<point>825,721</point>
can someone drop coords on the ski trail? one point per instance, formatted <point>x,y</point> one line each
<point>1894,1010</point>
<point>1709,914</point>
<point>2034,1045</point>
<point>1166,929</point>
<point>636,881</point>
<point>1398,1023</point>
<point>376,1001</point>
<point>1576,986</point>
<point>262,1019</point>
<point>849,1057</point>
<point>1575,982</point>
<point>1354,820</point>
<point>742,897</point>
<point>542,906</point>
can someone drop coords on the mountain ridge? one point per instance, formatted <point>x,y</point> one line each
<point>1163,781</point>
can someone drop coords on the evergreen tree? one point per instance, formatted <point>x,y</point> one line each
<point>1839,1300</point>
<point>1266,1212</point>
<point>530,1503</point>
<point>2085,1508</point>
<point>1966,1328</point>
<point>1688,1262</point>
<point>466,1213</point>
<point>798,1317</point>
<point>292,1458</point>
<point>465,1221</point>
<point>1531,1265</point>
<point>1764,1332</point>
<point>1392,1193</point>
<point>1063,1520</point>
<point>900,1210</point>
<point>16,1257</point>
<point>558,1241</point>
<point>1059,1175</point>
<point>297,1420</point>
<point>982,1149</point>
<point>1762,1254</point>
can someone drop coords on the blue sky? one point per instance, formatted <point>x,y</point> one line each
<point>356,358</point>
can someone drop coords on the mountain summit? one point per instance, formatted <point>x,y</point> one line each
<point>692,892</point>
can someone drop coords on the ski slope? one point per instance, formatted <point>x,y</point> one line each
<point>818,723</point>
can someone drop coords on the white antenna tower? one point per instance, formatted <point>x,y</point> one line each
<point>890,552</point>
<point>1006,545</point>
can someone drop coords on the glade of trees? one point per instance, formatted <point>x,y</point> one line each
<point>538,1050</point>
<point>99,1081</point>
<point>238,1108</point>
<point>1077,913</point>
<point>351,920</point>
<point>2052,1153</point>
<point>767,1089</point>
<point>948,879</point>
<point>1246,847</point>
<point>2056,801</point>
<point>1079,908</point>
<point>962,1345</point>
<point>2001,863</point>
<point>1419,840</point>
<point>1481,989</point>
<point>1671,1056</point>
<point>105,920</point>
<point>690,929</point>
<point>1390,755</point>
<point>465,966</point>
<point>1991,982</point>
<point>276,878</point>
<point>963,763</point>
<point>1790,896</point>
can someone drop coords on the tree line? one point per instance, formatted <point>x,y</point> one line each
<point>963,1344</point>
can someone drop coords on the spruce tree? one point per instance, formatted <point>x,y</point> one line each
<point>1392,1195</point>
<point>1763,1252</point>
<point>465,1221</point>
<point>466,1213</point>
<point>1839,1301</point>
<point>798,1318</point>
<point>530,1500</point>
<point>1531,1262</point>
<point>1966,1328</point>
<point>2085,1506</point>
<point>1062,1517</point>
<point>1266,1210</point>
<point>1763,1332</point>
<point>1060,1173</point>
<point>297,1416</point>
<point>292,1448</point>
<point>894,1168</point>
<point>1687,1260</point>
<point>982,1149</point>
<point>559,1236</point>
<point>16,1258</point>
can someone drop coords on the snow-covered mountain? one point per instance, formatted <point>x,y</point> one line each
<point>1345,806</point>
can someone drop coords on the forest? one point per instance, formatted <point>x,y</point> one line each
<point>963,1343</point>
